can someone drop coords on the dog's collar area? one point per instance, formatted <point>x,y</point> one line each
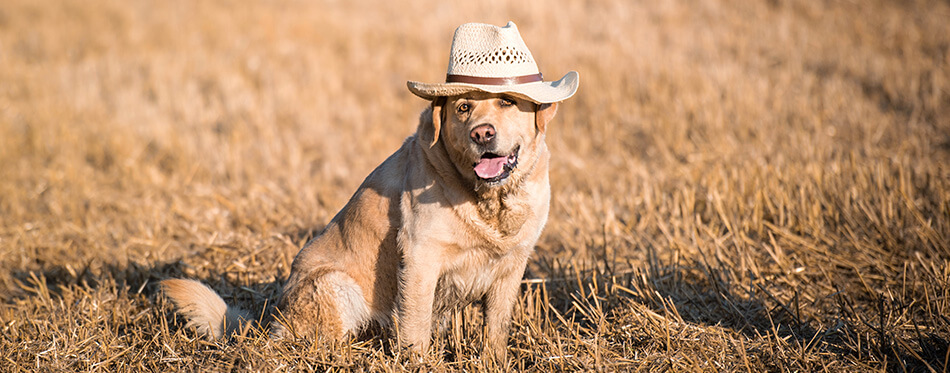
<point>493,168</point>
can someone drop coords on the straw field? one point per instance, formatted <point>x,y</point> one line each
<point>737,185</point>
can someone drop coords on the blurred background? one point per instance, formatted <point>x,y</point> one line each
<point>735,157</point>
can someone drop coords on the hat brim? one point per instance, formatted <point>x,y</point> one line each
<point>537,92</point>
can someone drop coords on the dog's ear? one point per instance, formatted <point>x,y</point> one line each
<point>437,105</point>
<point>544,114</point>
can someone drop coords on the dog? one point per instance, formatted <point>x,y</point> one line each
<point>449,219</point>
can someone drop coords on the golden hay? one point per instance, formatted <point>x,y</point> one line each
<point>737,185</point>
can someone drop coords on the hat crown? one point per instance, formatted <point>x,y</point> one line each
<point>483,50</point>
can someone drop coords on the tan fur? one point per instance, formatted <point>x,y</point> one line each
<point>423,235</point>
<point>203,308</point>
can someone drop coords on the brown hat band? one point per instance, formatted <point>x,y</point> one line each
<point>450,78</point>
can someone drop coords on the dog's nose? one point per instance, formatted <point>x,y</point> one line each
<point>483,134</point>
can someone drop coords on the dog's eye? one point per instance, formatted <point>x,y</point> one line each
<point>507,102</point>
<point>464,108</point>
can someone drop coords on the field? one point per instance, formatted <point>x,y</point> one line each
<point>737,186</point>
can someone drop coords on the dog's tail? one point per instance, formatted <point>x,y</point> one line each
<point>204,309</point>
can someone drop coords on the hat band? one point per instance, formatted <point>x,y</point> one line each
<point>451,78</point>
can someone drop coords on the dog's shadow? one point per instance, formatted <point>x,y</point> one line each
<point>54,280</point>
<point>143,281</point>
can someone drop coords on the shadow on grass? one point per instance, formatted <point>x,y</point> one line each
<point>54,280</point>
<point>144,279</point>
<point>133,279</point>
<point>705,294</point>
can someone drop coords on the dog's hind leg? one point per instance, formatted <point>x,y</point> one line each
<point>325,304</point>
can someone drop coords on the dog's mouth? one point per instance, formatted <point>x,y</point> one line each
<point>493,167</point>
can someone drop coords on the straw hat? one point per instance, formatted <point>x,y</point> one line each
<point>495,59</point>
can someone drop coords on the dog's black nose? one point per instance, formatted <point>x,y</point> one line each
<point>483,134</point>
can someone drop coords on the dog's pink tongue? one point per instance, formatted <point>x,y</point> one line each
<point>488,168</point>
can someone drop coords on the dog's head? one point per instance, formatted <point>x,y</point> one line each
<point>492,139</point>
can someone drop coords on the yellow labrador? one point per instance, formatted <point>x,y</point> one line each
<point>448,219</point>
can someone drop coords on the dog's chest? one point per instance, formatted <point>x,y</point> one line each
<point>470,275</point>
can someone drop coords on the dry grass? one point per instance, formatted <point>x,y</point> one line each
<point>737,185</point>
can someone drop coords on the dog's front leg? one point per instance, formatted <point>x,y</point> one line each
<point>497,307</point>
<point>418,279</point>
